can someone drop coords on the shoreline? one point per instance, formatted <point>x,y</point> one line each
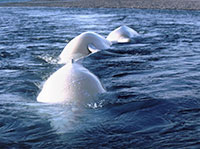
<point>140,4</point>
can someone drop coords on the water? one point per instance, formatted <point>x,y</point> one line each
<point>153,83</point>
<point>11,1</point>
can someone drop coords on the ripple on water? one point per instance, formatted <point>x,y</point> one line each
<point>152,83</point>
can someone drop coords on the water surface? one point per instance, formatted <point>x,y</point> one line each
<point>12,1</point>
<point>153,83</point>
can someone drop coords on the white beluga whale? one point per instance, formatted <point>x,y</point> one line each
<point>70,83</point>
<point>122,34</point>
<point>83,45</point>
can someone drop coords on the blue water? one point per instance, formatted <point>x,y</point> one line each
<point>11,1</point>
<point>152,83</point>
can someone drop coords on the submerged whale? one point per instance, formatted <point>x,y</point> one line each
<point>83,45</point>
<point>70,83</point>
<point>122,34</point>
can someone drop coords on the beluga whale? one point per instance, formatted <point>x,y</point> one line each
<point>83,45</point>
<point>122,34</point>
<point>71,83</point>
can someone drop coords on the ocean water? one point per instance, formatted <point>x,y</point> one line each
<point>152,83</point>
<point>11,1</point>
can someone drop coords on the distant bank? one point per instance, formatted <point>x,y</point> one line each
<point>145,4</point>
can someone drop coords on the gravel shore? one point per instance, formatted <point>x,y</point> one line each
<point>145,4</point>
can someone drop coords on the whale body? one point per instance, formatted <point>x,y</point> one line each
<point>83,45</point>
<point>70,83</point>
<point>122,34</point>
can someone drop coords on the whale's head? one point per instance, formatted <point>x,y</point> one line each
<point>71,83</point>
<point>83,45</point>
<point>122,34</point>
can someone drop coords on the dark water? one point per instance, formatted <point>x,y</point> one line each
<point>153,83</point>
